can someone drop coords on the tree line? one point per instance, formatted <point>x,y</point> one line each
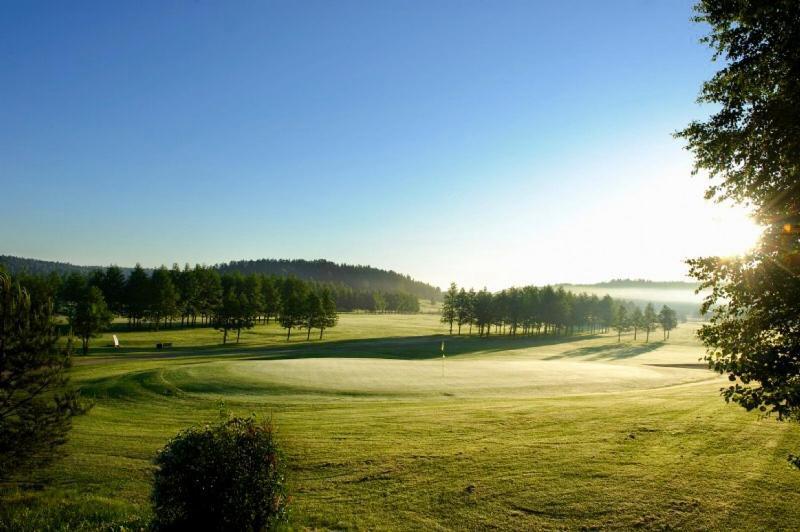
<point>533,310</point>
<point>198,296</point>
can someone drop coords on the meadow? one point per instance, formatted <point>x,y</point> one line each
<point>380,433</point>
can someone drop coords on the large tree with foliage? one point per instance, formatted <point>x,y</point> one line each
<point>112,283</point>
<point>330,316</point>
<point>750,147</point>
<point>667,319</point>
<point>293,305</point>
<point>90,316</point>
<point>621,321</point>
<point>164,297</point>
<point>649,320</point>
<point>137,295</point>
<point>36,401</point>
<point>449,305</point>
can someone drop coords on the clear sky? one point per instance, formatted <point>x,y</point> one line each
<point>489,143</point>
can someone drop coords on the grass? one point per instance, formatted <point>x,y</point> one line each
<point>525,433</point>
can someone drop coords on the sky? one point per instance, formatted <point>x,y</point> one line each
<point>486,143</point>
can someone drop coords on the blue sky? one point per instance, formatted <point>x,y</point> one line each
<point>490,143</point>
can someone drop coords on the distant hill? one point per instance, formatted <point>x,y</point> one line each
<point>44,267</point>
<point>356,277</point>
<point>677,294</point>
<point>643,283</point>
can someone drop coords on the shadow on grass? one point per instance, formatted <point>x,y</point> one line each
<point>404,347</point>
<point>608,351</point>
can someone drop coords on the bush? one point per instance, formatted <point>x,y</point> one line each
<point>226,476</point>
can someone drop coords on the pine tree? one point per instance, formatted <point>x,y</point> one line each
<point>636,321</point>
<point>293,296</point>
<point>449,306</point>
<point>90,316</point>
<point>137,295</point>
<point>621,322</point>
<point>163,302</point>
<point>36,400</point>
<point>649,320</point>
<point>330,315</point>
<point>113,286</point>
<point>668,320</point>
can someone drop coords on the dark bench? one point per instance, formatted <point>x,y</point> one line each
<point>163,345</point>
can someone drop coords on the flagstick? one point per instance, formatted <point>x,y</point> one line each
<point>442,358</point>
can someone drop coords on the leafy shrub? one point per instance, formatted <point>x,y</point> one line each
<point>225,476</point>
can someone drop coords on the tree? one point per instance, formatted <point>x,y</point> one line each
<point>250,304</point>
<point>607,312</point>
<point>36,401</point>
<point>224,476</point>
<point>293,295</point>
<point>471,295</point>
<point>636,320</point>
<point>189,289</point>
<point>649,320</point>
<point>668,319</point>
<point>621,322</point>
<point>463,309</point>
<point>750,148</point>
<point>379,302</point>
<point>314,312</point>
<point>209,297</point>
<point>270,298</point>
<point>72,290</point>
<point>330,316</point>
<point>163,296</point>
<point>227,312</point>
<point>113,286</point>
<point>137,295</point>
<point>90,317</point>
<point>449,306</point>
<point>483,312</point>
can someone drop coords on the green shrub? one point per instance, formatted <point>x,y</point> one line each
<point>226,476</point>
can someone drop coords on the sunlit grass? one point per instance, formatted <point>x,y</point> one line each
<point>518,434</point>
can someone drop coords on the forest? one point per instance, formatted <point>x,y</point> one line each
<point>532,310</point>
<point>362,280</point>
<point>202,297</point>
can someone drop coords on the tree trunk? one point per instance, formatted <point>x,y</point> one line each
<point>288,333</point>
<point>320,332</point>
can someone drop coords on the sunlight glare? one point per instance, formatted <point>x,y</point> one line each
<point>732,232</point>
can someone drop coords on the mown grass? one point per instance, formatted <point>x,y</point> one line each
<point>520,433</point>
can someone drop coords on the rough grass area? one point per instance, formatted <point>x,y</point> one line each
<point>519,433</point>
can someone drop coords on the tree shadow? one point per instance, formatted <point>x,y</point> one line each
<point>390,347</point>
<point>608,351</point>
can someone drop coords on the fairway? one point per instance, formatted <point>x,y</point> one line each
<point>545,432</point>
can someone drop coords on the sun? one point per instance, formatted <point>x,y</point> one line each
<point>733,232</point>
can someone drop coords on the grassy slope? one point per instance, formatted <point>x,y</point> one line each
<point>551,433</point>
